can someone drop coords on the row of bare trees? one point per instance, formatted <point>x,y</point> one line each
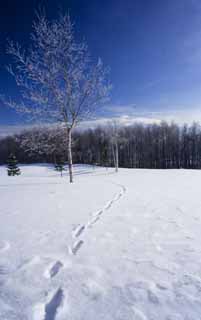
<point>154,146</point>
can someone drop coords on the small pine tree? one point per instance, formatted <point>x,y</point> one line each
<point>12,166</point>
<point>59,166</point>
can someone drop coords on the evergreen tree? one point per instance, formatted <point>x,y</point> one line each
<point>13,169</point>
<point>59,166</point>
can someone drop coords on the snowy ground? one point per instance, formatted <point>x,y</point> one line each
<point>111,246</point>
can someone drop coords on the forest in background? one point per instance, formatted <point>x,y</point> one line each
<point>157,146</point>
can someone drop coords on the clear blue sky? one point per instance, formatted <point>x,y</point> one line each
<point>153,48</point>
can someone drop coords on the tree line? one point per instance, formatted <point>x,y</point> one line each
<point>156,146</point>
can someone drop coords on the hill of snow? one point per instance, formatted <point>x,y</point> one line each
<point>110,246</point>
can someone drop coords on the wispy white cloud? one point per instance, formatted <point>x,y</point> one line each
<point>124,120</point>
<point>8,130</point>
<point>126,115</point>
<point>178,114</point>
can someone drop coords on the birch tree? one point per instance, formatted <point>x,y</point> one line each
<point>113,129</point>
<point>58,80</point>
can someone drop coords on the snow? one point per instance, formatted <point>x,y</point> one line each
<point>112,246</point>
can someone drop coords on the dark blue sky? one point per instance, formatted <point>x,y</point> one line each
<point>153,48</point>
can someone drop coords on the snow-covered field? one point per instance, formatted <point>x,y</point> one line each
<point>110,246</point>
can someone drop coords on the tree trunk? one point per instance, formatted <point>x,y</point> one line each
<point>70,161</point>
<point>116,156</point>
<point>113,154</point>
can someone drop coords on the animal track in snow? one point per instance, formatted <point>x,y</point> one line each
<point>52,306</point>
<point>97,213</point>
<point>53,270</point>
<point>161,287</point>
<point>93,221</point>
<point>108,205</point>
<point>80,229</point>
<point>180,210</point>
<point>117,197</point>
<point>76,246</point>
<point>77,232</point>
<point>50,310</point>
<point>152,297</point>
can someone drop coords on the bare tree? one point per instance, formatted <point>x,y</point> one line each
<point>113,129</point>
<point>58,80</point>
<point>44,141</point>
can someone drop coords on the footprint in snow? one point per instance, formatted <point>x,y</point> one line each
<point>51,308</point>
<point>161,287</point>
<point>97,213</point>
<point>53,270</point>
<point>180,210</point>
<point>108,205</point>
<point>76,247</point>
<point>93,221</point>
<point>152,297</point>
<point>78,231</point>
<point>124,188</point>
<point>118,196</point>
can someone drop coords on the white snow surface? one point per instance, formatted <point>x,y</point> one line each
<point>110,246</point>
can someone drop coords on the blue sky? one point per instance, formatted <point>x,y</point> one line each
<point>153,48</point>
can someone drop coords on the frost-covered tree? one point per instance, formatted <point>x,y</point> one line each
<point>12,167</point>
<point>58,80</point>
<point>44,141</point>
